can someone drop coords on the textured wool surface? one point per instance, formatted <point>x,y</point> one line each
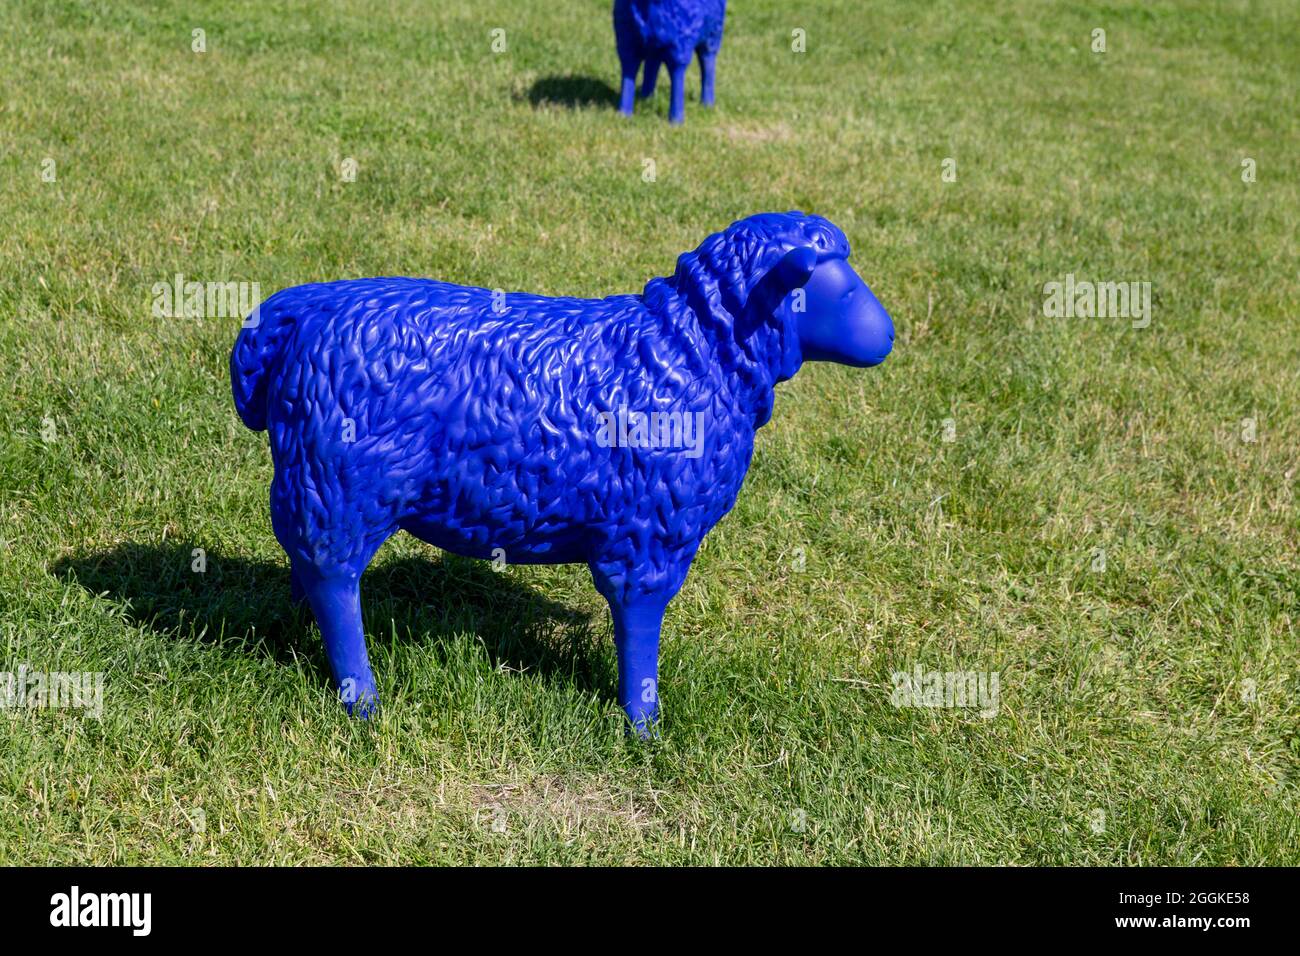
<point>669,31</point>
<point>472,419</point>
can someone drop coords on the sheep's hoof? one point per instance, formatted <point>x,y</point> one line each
<point>642,727</point>
<point>364,709</point>
<point>362,705</point>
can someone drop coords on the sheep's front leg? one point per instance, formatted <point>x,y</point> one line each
<point>636,637</point>
<point>677,111</point>
<point>650,78</point>
<point>630,65</point>
<point>336,602</point>
<point>638,588</point>
<point>707,62</point>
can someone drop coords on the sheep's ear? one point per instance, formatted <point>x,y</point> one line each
<point>792,272</point>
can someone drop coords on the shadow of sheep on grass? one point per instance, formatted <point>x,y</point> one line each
<point>572,92</point>
<point>420,599</point>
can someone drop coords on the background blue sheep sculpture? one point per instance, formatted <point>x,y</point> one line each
<point>614,432</point>
<point>659,32</point>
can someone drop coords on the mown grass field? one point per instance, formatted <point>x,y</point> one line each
<point>948,510</point>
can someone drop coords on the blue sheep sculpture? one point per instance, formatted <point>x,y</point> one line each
<point>612,432</point>
<point>659,32</point>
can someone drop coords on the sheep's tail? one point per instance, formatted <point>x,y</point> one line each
<point>256,351</point>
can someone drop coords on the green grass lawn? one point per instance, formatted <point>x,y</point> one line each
<point>1102,516</point>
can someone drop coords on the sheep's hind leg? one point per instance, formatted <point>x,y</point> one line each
<point>336,602</point>
<point>628,94</point>
<point>650,78</point>
<point>707,62</point>
<point>677,111</point>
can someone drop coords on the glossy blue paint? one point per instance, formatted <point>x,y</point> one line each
<point>667,33</point>
<point>614,432</point>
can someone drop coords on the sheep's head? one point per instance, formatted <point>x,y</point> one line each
<point>832,312</point>
<point>775,290</point>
